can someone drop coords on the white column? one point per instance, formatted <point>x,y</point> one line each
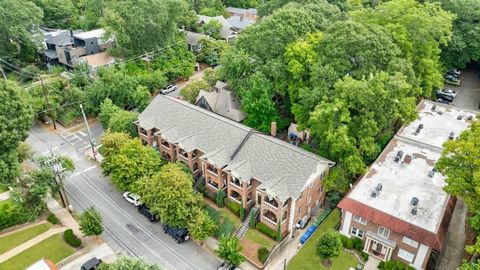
<point>420,257</point>
<point>367,244</point>
<point>347,220</point>
<point>291,221</point>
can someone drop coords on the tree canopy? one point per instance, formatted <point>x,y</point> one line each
<point>329,245</point>
<point>125,263</point>
<point>91,222</point>
<point>141,26</point>
<point>229,249</point>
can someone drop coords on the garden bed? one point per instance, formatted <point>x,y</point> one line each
<point>252,242</point>
<point>53,248</point>
<point>307,258</point>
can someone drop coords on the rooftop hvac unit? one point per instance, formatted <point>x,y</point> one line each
<point>374,194</point>
<point>470,117</point>
<point>399,156</point>
<point>379,187</point>
<point>414,201</point>
<point>460,117</point>
<point>451,136</point>
<point>434,107</point>
<point>407,159</point>
<point>431,173</point>
<point>414,211</point>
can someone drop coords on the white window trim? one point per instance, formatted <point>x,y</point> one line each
<point>384,230</point>
<point>360,219</point>
<point>357,234</point>
<point>410,242</point>
<point>405,255</point>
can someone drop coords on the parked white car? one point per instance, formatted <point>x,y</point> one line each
<point>132,198</point>
<point>449,92</point>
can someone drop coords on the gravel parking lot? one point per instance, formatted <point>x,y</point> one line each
<point>468,96</point>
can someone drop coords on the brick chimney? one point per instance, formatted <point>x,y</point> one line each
<point>273,129</point>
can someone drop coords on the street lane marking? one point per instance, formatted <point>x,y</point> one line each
<point>88,169</point>
<point>81,133</point>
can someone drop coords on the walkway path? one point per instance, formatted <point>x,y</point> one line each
<point>64,216</point>
<point>26,245</point>
<point>4,196</point>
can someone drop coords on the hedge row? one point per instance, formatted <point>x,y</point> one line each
<point>225,225</point>
<point>12,214</point>
<point>267,230</point>
<point>262,254</point>
<point>71,238</point>
<point>234,207</point>
<point>394,265</point>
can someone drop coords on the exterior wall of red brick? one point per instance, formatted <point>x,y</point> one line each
<point>405,244</point>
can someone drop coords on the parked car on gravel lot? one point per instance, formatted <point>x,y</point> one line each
<point>132,198</point>
<point>444,96</point>
<point>454,72</point>
<point>91,264</point>
<point>449,92</point>
<point>143,209</point>
<point>226,266</point>
<point>170,88</point>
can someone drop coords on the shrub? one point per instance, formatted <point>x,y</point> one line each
<point>253,221</point>
<point>394,265</point>
<point>71,238</point>
<point>242,212</point>
<point>12,214</point>
<point>226,227</point>
<point>234,207</point>
<point>364,256</point>
<point>52,219</point>
<point>219,198</point>
<point>344,240</point>
<point>357,244</point>
<point>214,214</point>
<point>349,244</point>
<point>262,254</point>
<point>267,230</point>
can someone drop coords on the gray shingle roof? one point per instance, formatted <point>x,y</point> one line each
<point>194,38</point>
<point>226,30</point>
<point>284,170</point>
<point>240,23</point>
<point>223,102</point>
<point>242,10</point>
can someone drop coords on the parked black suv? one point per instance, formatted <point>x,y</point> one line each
<point>143,209</point>
<point>178,234</point>
<point>444,97</point>
<point>91,264</point>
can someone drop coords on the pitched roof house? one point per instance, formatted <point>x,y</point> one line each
<point>228,32</point>
<point>399,208</point>
<point>250,13</point>
<point>221,101</point>
<point>281,181</point>
<point>193,40</point>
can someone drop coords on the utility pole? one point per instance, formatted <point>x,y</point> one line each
<point>3,72</point>
<point>49,105</point>
<point>89,134</point>
<point>57,167</point>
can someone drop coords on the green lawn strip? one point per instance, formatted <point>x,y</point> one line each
<point>3,188</point>
<point>307,258</point>
<point>236,220</point>
<point>53,248</point>
<point>257,237</point>
<point>15,239</point>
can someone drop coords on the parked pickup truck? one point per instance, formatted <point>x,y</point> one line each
<point>178,234</point>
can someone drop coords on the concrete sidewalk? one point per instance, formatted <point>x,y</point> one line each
<point>64,216</point>
<point>26,245</point>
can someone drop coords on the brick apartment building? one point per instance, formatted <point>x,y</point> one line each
<point>254,169</point>
<point>398,208</point>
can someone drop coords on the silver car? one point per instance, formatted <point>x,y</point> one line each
<point>170,88</point>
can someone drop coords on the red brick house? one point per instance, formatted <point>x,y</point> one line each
<point>254,169</point>
<point>399,208</point>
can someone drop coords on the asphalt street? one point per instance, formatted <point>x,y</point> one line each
<point>126,230</point>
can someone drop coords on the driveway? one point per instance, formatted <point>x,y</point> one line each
<point>468,96</point>
<point>126,231</point>
<point>198,75</point>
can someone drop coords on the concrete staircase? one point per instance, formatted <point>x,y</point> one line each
<point>246,223</point>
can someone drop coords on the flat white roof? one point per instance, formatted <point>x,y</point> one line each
<point>403,180</point>
<point>438,123</point>
<point>90,34</point>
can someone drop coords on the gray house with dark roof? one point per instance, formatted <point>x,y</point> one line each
<point>281,182</point>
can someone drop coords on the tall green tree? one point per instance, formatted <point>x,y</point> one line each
<point>464,46</point>
<point>19,20</point>
<point>91,222</point>
<point>202,226</point>
<point>131,162</point>
<point>58,13</point>
<point>229,249</point>
<point>141,26</point>
<point>107,110</point>
<point>170,194</point>
<point>256,94</point>
<point>329,245</point>
<point>419,29</point>
<point>125,263</point>
<point>212,28</point>
<point>113,141</point>
<point>122,121</point>
<point>16,118</point>
<point>190,92</point>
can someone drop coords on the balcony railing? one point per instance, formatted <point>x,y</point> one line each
<point>235,200</point>
<point>166,146</point>
<point>268,204</point>
<point>212,186</point>
<point>212,172</point>
<point>269,220</point>
<point>183,157</point>
<point>236,184</point>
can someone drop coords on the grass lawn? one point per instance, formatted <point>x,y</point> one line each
<point>53,248</point>
<point>225,212</point>
<point>8,201</point>
<point>257,237</point>
<point>307,259</point>
<point>12,240</point>
<point>3,188</point>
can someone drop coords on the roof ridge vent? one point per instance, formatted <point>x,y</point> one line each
<point>242,143</point>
